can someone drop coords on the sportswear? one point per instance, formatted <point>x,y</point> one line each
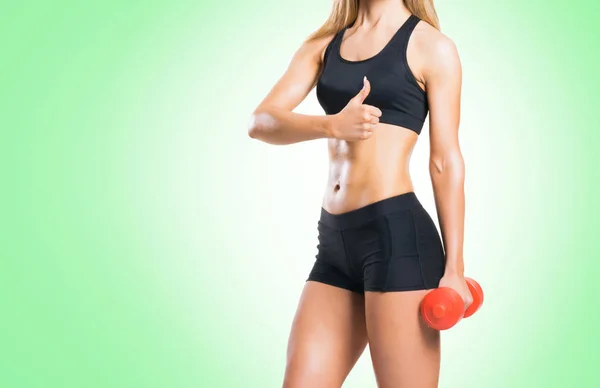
<point>394,89</point>
<point>389,245</point>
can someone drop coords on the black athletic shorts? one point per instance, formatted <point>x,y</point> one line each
<point>389,245</point>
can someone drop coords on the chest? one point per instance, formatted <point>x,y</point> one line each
<point>340,81</point>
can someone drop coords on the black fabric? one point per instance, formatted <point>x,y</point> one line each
<point>389,245</point>
<point>394,88</point>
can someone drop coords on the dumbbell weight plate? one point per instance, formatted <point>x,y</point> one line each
<point>477,293</point>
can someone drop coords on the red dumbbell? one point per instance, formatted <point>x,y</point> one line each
<point>443,308</point>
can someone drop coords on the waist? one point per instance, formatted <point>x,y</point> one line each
<point>367,171</point>
<point>364,214</point>
<point>354,185</point>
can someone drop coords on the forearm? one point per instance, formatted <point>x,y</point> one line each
<point>447,175</point>
<point>281,127</point>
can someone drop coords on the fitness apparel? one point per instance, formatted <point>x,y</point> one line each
<point>389,245</point>
<point>394,89</point>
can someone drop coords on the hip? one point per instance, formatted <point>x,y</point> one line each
<point>394,234</point>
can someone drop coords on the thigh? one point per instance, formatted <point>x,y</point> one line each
<point>405,352</point>
<point>328,336</point>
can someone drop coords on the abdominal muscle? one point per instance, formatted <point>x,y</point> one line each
<point>366,171</point>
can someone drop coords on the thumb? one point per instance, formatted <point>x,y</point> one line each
<point>364,92</point>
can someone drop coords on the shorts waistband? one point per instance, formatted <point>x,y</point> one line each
<point>362,215</point>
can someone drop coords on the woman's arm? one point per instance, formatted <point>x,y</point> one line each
<point>446,165</point>
<point>273,120</point>
<point>443,79</point>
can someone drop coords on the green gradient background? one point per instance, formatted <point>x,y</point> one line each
<point>141,228</point>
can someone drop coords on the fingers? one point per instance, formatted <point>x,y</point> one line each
<point>366,87</point>
<point>370,114</point>
<point>373,110</point>
<point>468,301</point>
<point>368,127</point>
<point>367,133</point>
<point>364,92</point>
<point>362,95</point>
<point>369,119</point>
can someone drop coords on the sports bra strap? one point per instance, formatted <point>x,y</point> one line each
<point>332,45</point>
<point>400,39</point>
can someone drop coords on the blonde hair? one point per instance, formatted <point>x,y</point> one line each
<point>344,13</point>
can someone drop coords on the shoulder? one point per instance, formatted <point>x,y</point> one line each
<point>314,48</point>
<point>438,52</point>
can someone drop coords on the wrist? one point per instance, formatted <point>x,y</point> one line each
<point>454,269</point>
<point>330,126</point>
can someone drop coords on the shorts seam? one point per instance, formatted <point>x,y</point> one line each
<point>418,250</point>
<point>347,257</point>
<point>390,253</point>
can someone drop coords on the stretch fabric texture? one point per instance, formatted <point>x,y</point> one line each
<point>394,88</point>
<point>389,245</point>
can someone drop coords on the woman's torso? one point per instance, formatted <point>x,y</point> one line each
<point>366,171</point>
<point>370,170</point>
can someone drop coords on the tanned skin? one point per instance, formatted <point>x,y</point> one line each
<point>369,161</point>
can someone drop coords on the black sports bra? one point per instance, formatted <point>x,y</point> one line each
<point>394,89</point>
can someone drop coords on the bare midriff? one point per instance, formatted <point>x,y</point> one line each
<point>366,171</point>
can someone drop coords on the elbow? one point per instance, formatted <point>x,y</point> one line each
<point>437,165</point>
<point>451,165</point>
<point>257,124</point>
<point>253,126</point>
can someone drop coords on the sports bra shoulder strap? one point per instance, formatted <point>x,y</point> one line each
<point>333,43</point>
<point>400,40</point>
<point>411,23</point>
<point>407,28</point>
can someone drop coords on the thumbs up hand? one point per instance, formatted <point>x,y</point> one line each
<point>357,120</point>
